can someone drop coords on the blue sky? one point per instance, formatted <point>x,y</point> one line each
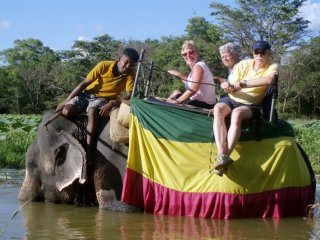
<point>58,23</point>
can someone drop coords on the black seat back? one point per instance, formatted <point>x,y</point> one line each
<point>268,111</point>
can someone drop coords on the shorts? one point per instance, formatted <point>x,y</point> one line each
<point>255,109</point>
<point>200,104</point>
<point>86,100</point>
<point>196,103</point>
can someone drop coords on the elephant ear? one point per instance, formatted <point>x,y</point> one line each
<point>70,162</point>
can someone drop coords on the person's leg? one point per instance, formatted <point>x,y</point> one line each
<point>70,110</point>
<point>93,115</point>
<point>75,106</point>
<point>221,110</point>
<point>238,114</point>
<point>93,109</point>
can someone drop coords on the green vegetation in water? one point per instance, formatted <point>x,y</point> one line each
<point>17,132</point>
<point>308,136</point>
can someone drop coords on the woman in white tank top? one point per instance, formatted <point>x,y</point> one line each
<point>199,84</point>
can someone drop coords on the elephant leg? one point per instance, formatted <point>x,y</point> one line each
<point>108,187</point>
<point>107,200</point>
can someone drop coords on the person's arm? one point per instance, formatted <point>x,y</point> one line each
<point>219,80</point>
<point>105,110</point>
<point>197,76</point>
<point>227,87</point>
<point>267,80</point>
<point>272,71</point>
<point>178,74</point>
<point>76,91</point>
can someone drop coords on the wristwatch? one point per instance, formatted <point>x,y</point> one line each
<point>244,82</point>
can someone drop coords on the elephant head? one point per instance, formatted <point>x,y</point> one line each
<point>54,161</point>
<point>56,168</point>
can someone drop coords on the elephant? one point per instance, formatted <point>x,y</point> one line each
<point>57,171</point>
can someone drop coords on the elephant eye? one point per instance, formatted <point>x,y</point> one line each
<point>60,154</point>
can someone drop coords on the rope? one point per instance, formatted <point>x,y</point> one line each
<point>162,70</point>
<point>211,163</point>
<point>12,217</point>
<point>211,167</point>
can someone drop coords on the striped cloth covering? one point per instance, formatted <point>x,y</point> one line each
<point>168,168</point>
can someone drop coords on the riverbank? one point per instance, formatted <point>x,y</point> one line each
<point>17,132</point>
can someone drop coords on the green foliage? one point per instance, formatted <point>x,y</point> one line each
<point>30,50</point>
<point>200,28</point>
<point>276,21</point>
<point>29,66</point>
<point>26,123</point>
<point>17,132</point>
<point>99,49</point>
<point>166,56</point>
<point>13,148</point>
<point>299,85</point>
<point>8,88</point>
<point>307,135</point>
<point>36,78</point>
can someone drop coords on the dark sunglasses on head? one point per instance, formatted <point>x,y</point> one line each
<point>261,52</point>
<point>187,53</point>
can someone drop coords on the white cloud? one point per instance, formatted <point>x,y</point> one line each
<point>99,28</point>
<point>310,11</point>
<point>82,38</point>
<point>4,24</point>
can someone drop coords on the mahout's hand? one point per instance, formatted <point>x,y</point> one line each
<point>60,107</point>
<point>105,110</point>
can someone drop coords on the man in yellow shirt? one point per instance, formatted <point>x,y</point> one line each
<point>246,90</point>
<point>98,92</point>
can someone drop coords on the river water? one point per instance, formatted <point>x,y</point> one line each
<point>51,221</point>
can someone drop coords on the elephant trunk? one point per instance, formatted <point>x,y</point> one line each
<point>30,189</point>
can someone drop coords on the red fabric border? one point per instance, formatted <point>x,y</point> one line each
<point>155,198</point>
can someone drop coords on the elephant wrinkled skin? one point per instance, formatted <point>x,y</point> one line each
<point>57,172</point>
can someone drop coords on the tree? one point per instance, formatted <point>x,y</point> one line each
<point>101,48</point>
<point>300,81</point>
<point>30,50</point>
<point>30,64</point>
<point>7,86</point>
<point>167,55</point>
<point>276,21</point>
<point>200,28</point>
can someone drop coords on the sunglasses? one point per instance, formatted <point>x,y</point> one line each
<point>261,52</point>
<point>187,53</point>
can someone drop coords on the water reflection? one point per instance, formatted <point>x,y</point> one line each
<point>51,221</point>
<point>48,221</point>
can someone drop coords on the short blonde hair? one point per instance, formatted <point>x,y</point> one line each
<point>189,44</point>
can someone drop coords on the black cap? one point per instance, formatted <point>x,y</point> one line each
<point>262,45</point>
<point>132,54</point>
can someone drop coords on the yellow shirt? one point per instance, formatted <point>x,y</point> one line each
<point>244,71</point>
<point>105,84</point>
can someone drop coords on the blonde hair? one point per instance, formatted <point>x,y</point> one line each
<point>189,44</point>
